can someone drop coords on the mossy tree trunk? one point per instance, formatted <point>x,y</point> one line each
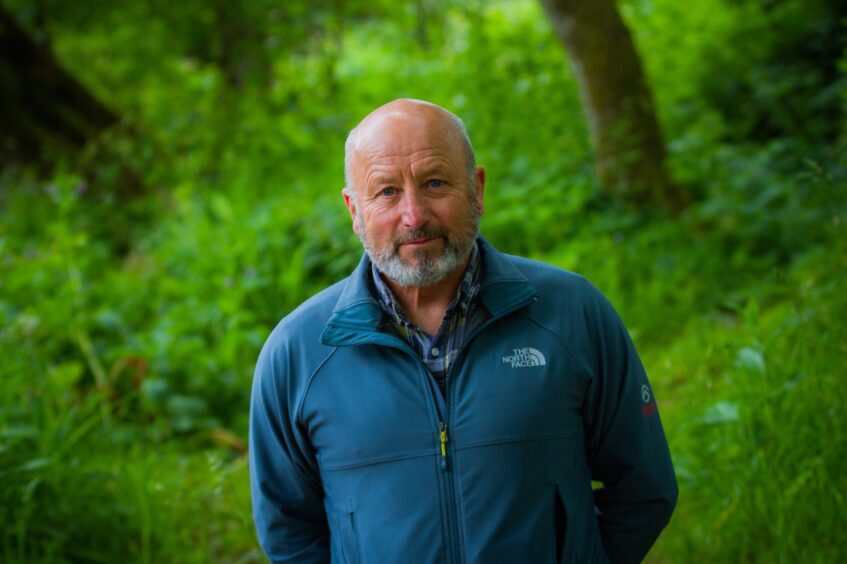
<point>625,132</point>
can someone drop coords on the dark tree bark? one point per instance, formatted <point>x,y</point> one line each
<point>625,132</point>
<point>41,104</point>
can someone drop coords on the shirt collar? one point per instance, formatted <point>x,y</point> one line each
<point>356,315</point>
<point>465,293</point>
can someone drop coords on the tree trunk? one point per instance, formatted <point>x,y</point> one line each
<point>40,103</point>
<point>625,132</point>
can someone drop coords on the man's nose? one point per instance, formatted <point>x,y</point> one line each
<point>414,210</point>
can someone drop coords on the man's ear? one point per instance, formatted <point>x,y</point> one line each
<point>479,190</point>
<point>350,202</point>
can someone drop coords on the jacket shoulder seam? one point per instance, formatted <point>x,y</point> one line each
<point>567,347</point>
<point>298,411</point>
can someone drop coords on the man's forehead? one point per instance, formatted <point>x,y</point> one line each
<point>419,163</point>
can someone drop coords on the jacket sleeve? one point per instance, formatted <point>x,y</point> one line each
<point>286,489</point>
<point>625,442</point>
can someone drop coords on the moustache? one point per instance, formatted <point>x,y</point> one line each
<point>422,233</point>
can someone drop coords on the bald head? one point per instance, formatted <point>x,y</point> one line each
<point>389,123</point>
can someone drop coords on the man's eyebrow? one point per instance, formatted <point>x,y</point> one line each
<point>380,179</point>
<point>433,169</point>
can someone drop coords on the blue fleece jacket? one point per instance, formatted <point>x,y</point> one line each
<point>356,457</point>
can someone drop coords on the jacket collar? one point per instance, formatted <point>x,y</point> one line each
<point>357,313</point>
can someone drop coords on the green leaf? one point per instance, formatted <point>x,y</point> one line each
<point>66,375</point>
<point>750,359</point>
<point>35,464</point>
<point>722,412</point>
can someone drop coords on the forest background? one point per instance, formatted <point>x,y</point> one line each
<point>148,249</point>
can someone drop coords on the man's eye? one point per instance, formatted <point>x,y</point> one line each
<point>435,183</point>
<point>387,191</point>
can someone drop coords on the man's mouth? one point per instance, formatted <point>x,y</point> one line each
<point>420,239</point>
<point>418,242</point>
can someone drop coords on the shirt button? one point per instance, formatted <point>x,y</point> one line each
<point>435,351</point>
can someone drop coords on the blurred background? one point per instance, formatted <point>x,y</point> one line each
<point>170,178</point>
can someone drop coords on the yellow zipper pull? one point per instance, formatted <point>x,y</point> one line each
<point>442,436</point>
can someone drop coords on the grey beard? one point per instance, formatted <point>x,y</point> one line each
<point>428,270</point>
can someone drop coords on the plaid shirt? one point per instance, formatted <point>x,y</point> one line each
<point>463,317</point>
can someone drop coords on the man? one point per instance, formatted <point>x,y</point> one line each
<point>447,402</point>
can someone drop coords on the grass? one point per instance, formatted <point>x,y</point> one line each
<point>755,416</point>
<point>746,351</point>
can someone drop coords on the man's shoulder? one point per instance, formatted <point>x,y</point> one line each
<point>565,299</point>
<point>546,277</point>
<point>306,322</point>
<point>293,350</point>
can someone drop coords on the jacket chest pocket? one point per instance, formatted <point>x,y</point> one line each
<point>520,393</point>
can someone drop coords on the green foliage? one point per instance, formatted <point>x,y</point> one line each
<point>139,279</point>
<point>758,421</point>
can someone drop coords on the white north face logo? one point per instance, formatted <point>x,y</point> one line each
<point>527,356</point>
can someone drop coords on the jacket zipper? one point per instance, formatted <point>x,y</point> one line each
<point>448,488</point>
<point>454,551</point>
<point>453,540</point>
<point>442,437</point>
<point>453,537</point>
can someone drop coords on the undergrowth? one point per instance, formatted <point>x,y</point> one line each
<point>129,323</point>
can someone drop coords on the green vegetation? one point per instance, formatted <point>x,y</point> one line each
<point>140,276</point>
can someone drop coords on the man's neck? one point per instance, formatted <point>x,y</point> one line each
<point>425,306</point>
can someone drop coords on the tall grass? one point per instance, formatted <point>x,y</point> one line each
<point>756,419</point>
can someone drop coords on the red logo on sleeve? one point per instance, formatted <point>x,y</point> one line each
<point>649,407</point>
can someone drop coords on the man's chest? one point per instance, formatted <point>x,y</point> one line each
<point>510,383</point>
